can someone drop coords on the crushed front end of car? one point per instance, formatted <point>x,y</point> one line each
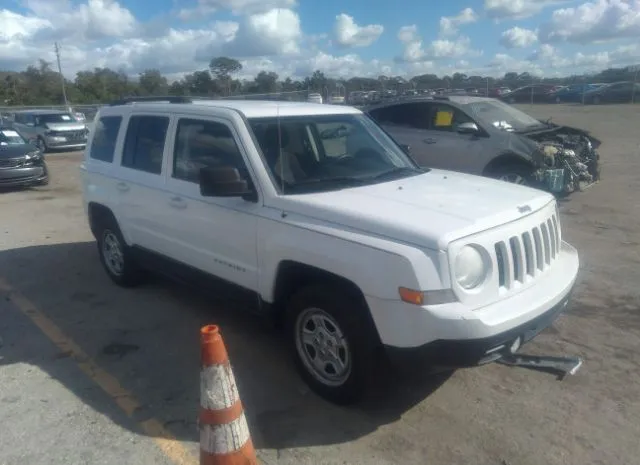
<point>571,161</point>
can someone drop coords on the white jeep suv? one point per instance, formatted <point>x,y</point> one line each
<point>318,213</point>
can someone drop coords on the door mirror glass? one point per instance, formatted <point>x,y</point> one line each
<point>468,128</point>
<point>223,181</point>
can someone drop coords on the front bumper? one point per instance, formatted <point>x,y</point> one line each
<point>63,142</point>
<point>474,352</point>
<point>24,176</point>
<point>461,336</point>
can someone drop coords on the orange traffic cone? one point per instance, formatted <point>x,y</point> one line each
<point>224,433</point>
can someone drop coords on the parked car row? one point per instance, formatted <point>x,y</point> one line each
<point>25,137</point>
<point>617,92</point>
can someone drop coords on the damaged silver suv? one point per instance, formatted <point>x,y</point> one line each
<point>485,136</point>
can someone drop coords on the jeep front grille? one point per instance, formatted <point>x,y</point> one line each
<point>532,252</point>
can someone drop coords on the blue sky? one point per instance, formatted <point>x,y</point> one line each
<point>356,37</point>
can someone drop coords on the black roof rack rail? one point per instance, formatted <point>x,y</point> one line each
<point>168,98</point>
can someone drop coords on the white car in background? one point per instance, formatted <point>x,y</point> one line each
<point>315,98</point>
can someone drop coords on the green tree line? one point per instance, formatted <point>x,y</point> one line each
<point>41,85</point>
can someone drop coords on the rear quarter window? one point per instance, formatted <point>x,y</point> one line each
<point>105,135</point>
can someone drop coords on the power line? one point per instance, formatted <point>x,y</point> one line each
<point>64,91</point>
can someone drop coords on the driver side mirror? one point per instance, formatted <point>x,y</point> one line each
<point>468,128</point>
<point>224,181</point>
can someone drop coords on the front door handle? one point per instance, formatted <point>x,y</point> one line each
<point>122,187</point>
<point>178,202</point>
<point>429,140</point>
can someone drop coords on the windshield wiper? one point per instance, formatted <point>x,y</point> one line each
<point>398,171</point>
<point>347,180</point>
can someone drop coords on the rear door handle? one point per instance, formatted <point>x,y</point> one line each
<point>178,202</point>
<point>429,140</point>
<point>122,187</point>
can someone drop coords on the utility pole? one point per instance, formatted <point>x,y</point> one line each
<point>64,91</point>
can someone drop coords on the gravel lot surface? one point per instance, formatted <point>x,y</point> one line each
<point>66,331</point>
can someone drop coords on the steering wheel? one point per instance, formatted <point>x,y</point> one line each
<point>367,152</point>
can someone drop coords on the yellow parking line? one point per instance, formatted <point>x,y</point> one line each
<point>168,444</point>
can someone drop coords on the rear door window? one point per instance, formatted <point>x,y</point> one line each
<point>447,118</point>
<point>144,144</point>
<point>105,134</point>
<point>409,115</point>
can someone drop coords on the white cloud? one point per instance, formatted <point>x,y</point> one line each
<point>93,20</point>
<point>594,21</point>
<point>237,7</point>
<point>449,24</point>
<point>516,9</point>
<point>517,37</point>
<point>275,32</point>
<point>408,34</point>
<point>348,34</point>
<point>436,50</point>
<point>16,26</point>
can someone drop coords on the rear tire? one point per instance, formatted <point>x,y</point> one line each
<point>115,255</point>
<point>333,341</point>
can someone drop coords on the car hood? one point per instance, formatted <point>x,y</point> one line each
<point>554,129</point>
<point>429,210</point>
<point>16,151</point>
<point>73,126</point>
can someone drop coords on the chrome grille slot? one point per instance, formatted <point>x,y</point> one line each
<point>529,253</point>
<point>552,236</point>
<point>517,258</point>
<point>503,264</point>
<point>546,243</point>
<point>556,230</point>
<point>538,249</point>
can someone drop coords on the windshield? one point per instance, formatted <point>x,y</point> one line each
<point>329,152</point>
<point>10,137</point>
<point>501,115</point>
<point>56,118</point>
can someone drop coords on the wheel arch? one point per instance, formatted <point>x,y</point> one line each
<point>98,213</point>
<point>292,276</point>
<point>508,158</point>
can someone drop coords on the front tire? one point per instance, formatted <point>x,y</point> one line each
<point>41,144</point>
<point>333,341</point>
<point>515,173</point>
<point>116,256</point>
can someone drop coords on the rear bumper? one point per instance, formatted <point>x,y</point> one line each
<point>24,176</point>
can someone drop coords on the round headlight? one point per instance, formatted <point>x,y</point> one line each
<point>470,269</point>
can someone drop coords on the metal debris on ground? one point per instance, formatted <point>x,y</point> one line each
<point>560,365</point>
